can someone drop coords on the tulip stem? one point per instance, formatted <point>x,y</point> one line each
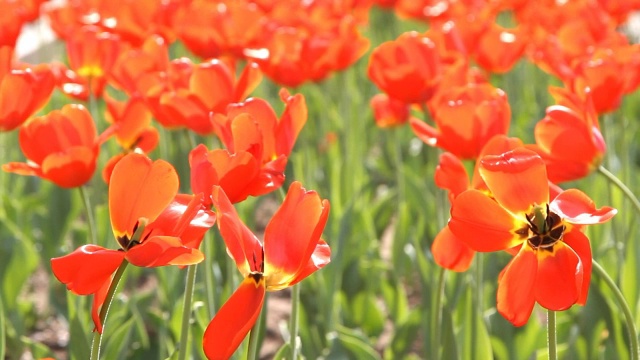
<point>294,322</point>
<point>617,182</point>
<point>254,337</point>
<point>631,326</point>
<point>437,324</point>
<point>97,335</point>
<point>552,339</point>
<point>186,311</point>
<point>87,208</point>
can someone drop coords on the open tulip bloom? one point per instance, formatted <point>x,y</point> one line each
<point>153,225</point>
<point>552,262</point>
<point>292,251</point>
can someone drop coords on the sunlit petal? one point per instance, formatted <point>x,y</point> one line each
<point>579,243</point>
<point>162,251</point>
<point>451,253</point>
<point>576,207</point>
<point>517,179</point>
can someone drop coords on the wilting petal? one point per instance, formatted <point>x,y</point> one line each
<point>230,325</point>
<point>321,256</point>
<point>451,253</point>
<point>451,175</point>
<point>19,168</point>
<point>515,299</point>
<point>86,269</point>
<point>243,246</point>
<point>162,251</point>
<point>559,279</point>
<point>482,223</point>
<point>139,188</point>
<point>293,234</point>
<point>579,243</point>
<point>517,179</point>
<point>576,207</point>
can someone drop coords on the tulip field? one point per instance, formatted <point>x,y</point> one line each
<point>324,179</point>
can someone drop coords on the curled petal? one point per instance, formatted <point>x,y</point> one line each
<point>482,223</point>
<point>87,269</point>
<point>451,175</point>
<point>321,256</point>
<point>559,278</point>
<point>517,179</point>
<point>451,253</point>
<point>162,251</point>
<point>497,145</point>
<point>424,131</point>
<point>139,188</point>
<point>96,305</point>
<point>293,233</point>
<point>230,325</point>
<point>576,207</point>
<point>515,299</point>
<point>579,243</point>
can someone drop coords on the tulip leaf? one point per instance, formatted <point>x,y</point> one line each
<point>79,341</point>
<point>352,344</point>
<point>283,353</point>
<point>2,331</point>
<point>119,340</point>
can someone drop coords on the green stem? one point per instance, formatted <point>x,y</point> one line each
<point>97,336</point>
<point>631,326</point>
<point>293,321</point>
<point>618,183</point>
<point>254,337</point>
<point>86,201</point>
<point>552,340</point>
<point>186,311</point>
<point>437,324</point>
<point>208,274</point>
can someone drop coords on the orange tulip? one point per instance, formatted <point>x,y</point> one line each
<point>140,192</point>
<point>499,48</point>
<point>61,147</point>
<point>568,138</point>
<point>22,91</point>
<point>92,53</point>
<point>552,264</point>
<point>257,147</point>
<point>466,118</point>
<point>388,112</point>
<point>186,94</point>
<point>407,69</point>
<point>292,250</point>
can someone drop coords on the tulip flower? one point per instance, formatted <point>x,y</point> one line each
<point>61,146</point>
<point>257,147</point>
<point>448,250</point>
<point>23,91</point>
<point>292,250</point>
<point>186,94</point>
<point>142,195</point>
<point>407,69</point>
<point>552,262</point>
<point>466,118</point>
<point>388,112</point>
<point>568,138</point>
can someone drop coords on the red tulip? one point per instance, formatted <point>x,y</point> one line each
<point>552,264</point>
<point>292,250</point>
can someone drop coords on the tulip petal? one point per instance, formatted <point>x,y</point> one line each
<point>70,168</point>
<point>96,305</point>
<point>139,188</point>
<point>579,243</point>
<point>559,278</point>
<point>451,175</point>
<point>243,246</point>
<point>576,207</point>
<point>451,253</point>
<point>87,268</point>
<point>515,298</point>
<point>230,325</point>
<point>517,179</point>
<point>321,256</point>
<point>162,251</point>
<point>482,223</point>
<point>293,233</point>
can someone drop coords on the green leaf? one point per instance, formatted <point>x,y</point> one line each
<point>119,339</point>
<point>352,345</point>
<point>79,344</point>
<point>366,313</point>
<point>22,264</point>
<point>284,353</point>
<point>2,331</point>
